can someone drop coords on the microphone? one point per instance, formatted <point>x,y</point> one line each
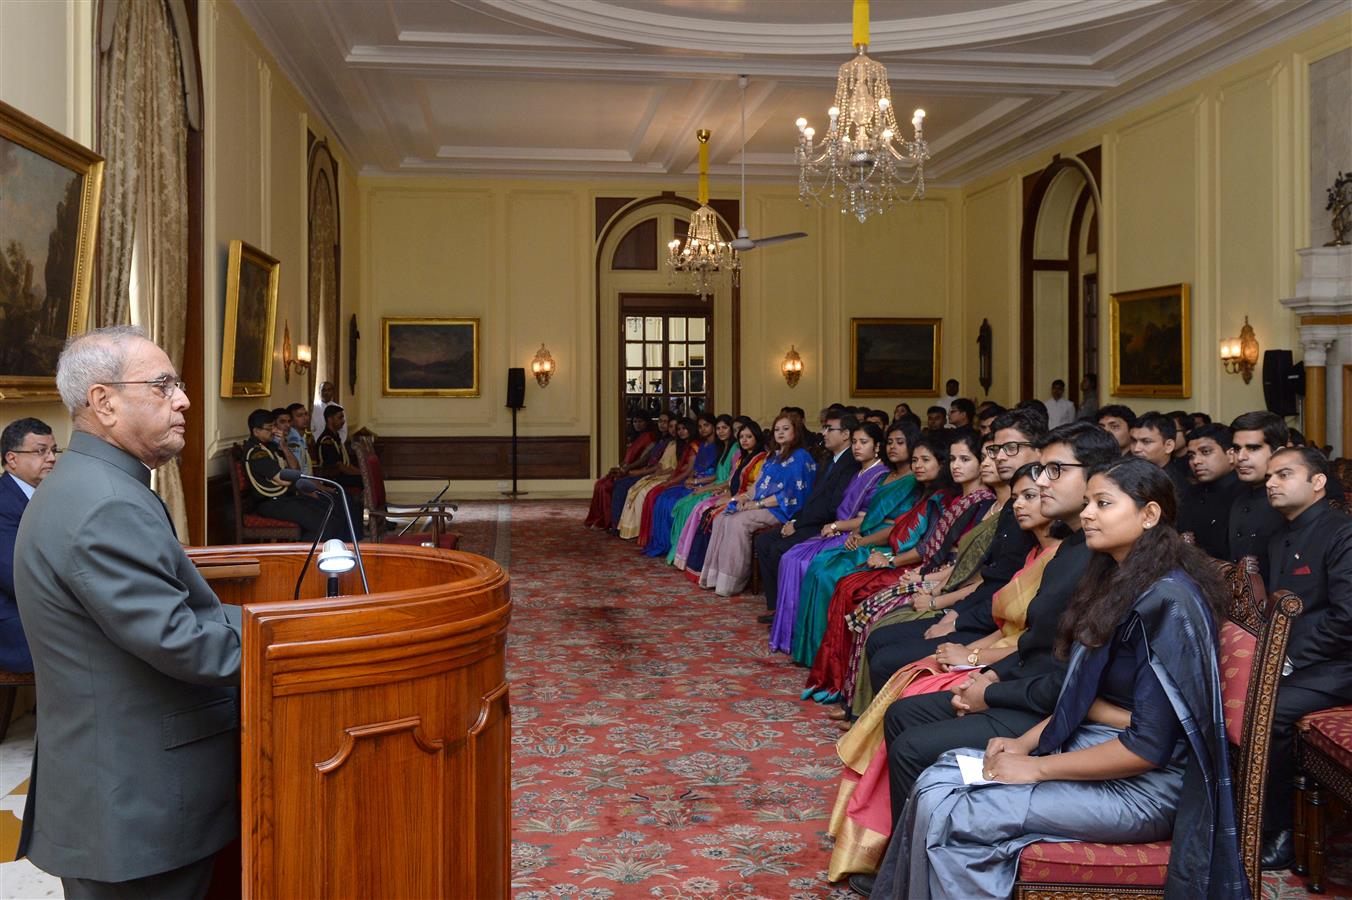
<point>300,479</point>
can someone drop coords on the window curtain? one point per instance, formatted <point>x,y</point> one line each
<point>323,287</point>
<point>143,135</point>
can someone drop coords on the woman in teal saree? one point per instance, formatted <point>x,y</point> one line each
<point>728,431</point>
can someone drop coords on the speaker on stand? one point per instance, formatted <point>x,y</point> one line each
<point>516,401</point>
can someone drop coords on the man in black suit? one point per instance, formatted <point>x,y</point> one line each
<point>1253,521</point>
<point>1205,510</point>
<point>1154,439</point>
<point>28,451</point>
<point>833,477</point>
<point>1311,556</point>
<point>1016,693</point>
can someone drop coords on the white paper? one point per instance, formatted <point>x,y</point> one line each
<point>972,769</point>
<point>963,668</point>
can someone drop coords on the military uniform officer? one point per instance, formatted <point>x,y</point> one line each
<point>275,499</point>
<point>335,462</point>
<point>1311,556</point>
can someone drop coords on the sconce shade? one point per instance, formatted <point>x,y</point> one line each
<point>792,367</point>
<point>542,366</point>
<point>1239,355</point>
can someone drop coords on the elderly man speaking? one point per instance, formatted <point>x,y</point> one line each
<point>137,762</point>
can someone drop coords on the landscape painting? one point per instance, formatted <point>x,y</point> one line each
<point>1150,343</point>
<point>49,198</point>
<point>894,357</point>
<point>250,318</point>
<point>431,357</point>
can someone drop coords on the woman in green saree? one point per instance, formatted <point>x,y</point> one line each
<point>727,431</point>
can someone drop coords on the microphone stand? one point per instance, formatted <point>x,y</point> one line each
<point>297,476</point>
<point>314,544</point>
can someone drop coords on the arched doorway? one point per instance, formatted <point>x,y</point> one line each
<point>632,284</point>
<point>1059,264</point>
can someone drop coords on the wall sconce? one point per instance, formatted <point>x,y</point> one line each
<point>792,366</point>
<point>1240,355</point>
<point>542,366</point>
<point>300,361</point>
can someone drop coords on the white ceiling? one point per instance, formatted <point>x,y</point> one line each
<point>619,87</point>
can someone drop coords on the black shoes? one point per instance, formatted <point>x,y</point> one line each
<point>766,619</point>
<point>862,884</point>
<point>1279,851</point>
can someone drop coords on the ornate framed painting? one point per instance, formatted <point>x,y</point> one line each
<point>894,357</point>
<point>430,357</point>
<point>250,322</point>
<point>1150,343</point>
<point>50,189</point>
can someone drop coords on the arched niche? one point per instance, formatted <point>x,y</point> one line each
<point>1058,315</point>
<point>658,218</point>
<point>323,256</point>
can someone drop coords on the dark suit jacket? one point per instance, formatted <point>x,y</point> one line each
<point>1312,558</point>
<point>14,654</point>
<point>136,767</point>
<point>820,506</point>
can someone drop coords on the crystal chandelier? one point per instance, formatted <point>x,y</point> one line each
<point>704,253</point>
<point>862,161</point>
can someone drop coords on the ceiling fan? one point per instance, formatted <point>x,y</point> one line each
<point>744,240</point>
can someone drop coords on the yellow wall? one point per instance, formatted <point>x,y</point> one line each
<point>1206,185</point>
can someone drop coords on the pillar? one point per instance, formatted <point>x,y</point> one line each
<point>1315,340</point>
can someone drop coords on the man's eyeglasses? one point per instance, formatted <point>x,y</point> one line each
<point>1008,448</point>
<point>835,428</point>
<point>165,385</point>
<point>1053,470</point>
<point>53,452</point>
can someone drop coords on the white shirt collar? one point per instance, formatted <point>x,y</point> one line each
<point>24,486</point>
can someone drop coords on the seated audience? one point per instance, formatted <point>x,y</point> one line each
<point>900,411</point>
<point>786,479</point>
<point>1060,411</point>
<point>660,456</point>
<point>1253,521</point>
<point>986,414</point>
<point>936,420</point>
<point>866,445</point>
<point>1182,425</point>
<point>1311,556</point>
<point>1114,761</point>
<point>861,821</point>
<point>961,413</point>
<point>300,439</point>
<point>328,395</point>
<point>877,417</point>
<point>715,436</point>
<point>335,460</point>
<point>694,541</point>
<point>818,510</point>
<point>28,452</point>
<point>1152,439</point>
<point>683,449</point>
<point>281,430</point>
<point>1199,419</point>
<point>951,389</point>
<point>1118,420</point>
<point>273,497</point>
<point>1205,507</point>
<point>727,432</point>
<point>641,437</point>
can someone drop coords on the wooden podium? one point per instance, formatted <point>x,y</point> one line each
<point>374,727</point>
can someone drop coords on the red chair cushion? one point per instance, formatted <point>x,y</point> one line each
<point>375,480</point>
<point>1144,865</point>
<point>253,520</point>
<point>1236,647</point>
<point>1330,730</point>
<point>449,540</point>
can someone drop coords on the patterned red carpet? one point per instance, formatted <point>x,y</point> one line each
<point>660,750</point>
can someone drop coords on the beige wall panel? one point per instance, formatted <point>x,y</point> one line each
<point>431,254</point>
<point>990,272</point>
<point>287,213</point>
<point>546,247</point>
<point>1156,180</point>
<point>1051,343</point>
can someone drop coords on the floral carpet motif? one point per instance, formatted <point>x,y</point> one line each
<point>659,747</point>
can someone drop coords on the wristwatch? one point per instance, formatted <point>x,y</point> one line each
<point>974,658</point>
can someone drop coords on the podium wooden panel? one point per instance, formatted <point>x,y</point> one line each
<point>374,727</point>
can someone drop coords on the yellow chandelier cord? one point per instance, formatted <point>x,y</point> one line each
<point>860,23</point>
<point>703,136</point>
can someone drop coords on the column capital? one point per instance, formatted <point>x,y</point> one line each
<point>1315,340</point>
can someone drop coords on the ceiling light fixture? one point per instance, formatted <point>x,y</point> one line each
<point>704,253</point>
<point>862,161</point>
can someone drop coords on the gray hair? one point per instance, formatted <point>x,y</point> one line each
<point>95,357</point>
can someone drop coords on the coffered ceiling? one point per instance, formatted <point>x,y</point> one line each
<point>618,87</point>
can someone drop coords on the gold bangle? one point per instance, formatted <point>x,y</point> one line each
<point>932,606</point>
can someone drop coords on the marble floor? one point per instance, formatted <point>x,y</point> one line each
<point>19,879</point>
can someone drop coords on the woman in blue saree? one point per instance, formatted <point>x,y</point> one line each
<point>695,540</point>
<point>729,431</point>
<point>651,463</point>
<point>704,472</point>
<point>1135,750</point>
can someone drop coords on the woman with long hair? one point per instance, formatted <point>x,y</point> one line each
<point>866,445</point>
<point>786,479</point>
<point>911,550</point>
<point>862,818</point>
<point>699,528</point>
<point>641,438</point>
<point>715,434</point>
<point>675,463</point>
<point>1135,749</point>
<point>890,504</point>
<point>650,462</point>
<point>702,454</point>
<point>726,430</point>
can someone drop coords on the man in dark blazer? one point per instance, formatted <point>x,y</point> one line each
<point>136,767</point>
<point>833,477</point>
<point>1311,556</point>
<point>28,452</point>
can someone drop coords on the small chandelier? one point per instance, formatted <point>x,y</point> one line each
<point>792,366</point>
<point>862,161</point>
<point>542,366</point>
<point>704,253</point>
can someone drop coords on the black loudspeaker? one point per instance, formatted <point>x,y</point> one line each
<point>516,388</point>
<point>1283,382</point>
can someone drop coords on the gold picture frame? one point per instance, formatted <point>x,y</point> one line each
<point>1151,343</point>
<point>50,189</point>
<point>427,357</point>
<point>250,321</point>
<point>895,357</point>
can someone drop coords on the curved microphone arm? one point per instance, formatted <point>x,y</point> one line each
<point>305,483</point>
<point>319,535</point>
